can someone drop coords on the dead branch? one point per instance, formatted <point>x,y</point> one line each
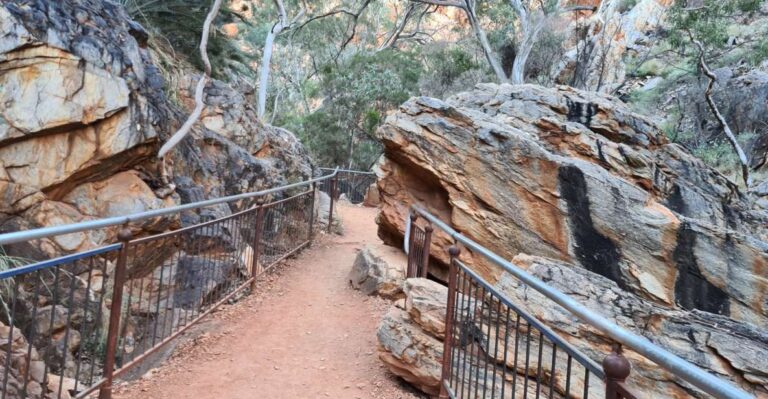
<point>716,112</point>
<point>200,91</point>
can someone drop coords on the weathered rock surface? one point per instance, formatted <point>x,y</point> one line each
<point>84,103</point>
<point>379,270</point>
<point>409,352</point>
<point>557,172</point>
<point>83,113</point>
<point>426,304</point>
<point>579,178</point>
<point>710,341</point>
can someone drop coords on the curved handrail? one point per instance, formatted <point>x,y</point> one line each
<point>697,377</point>
<point>21,236</point>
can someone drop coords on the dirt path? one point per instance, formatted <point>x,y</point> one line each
<point>307,334</point>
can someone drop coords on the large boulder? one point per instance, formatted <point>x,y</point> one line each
<point>378,270</point>
<point>578,178</point>
<point>409,352</point>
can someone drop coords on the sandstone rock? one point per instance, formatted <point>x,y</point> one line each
<point>372,199</point>
<point>426,304</point>
<point>372,273</point>
<point>704,339</point>
<point>555,173</point>
<point>409,352</point>
<point>579,178</point>
<point>322,210</point>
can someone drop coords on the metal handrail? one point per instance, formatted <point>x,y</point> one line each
<point>697,377</point>
<point>26,235</point>
<point>358,172</point>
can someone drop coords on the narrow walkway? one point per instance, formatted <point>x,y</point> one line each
<point>306,334</point>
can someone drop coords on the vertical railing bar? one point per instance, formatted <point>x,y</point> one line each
<point>506,344</point>
<point>97,329</point>
<point>11,314</point>
<point>495,356</point>
<point>131,284</point>
<point>33,331</point>
<point>487,356</point>
<point>456,352</point>
<point>157,306</point>
<point>568,377</point>
<point>517,348</point>
<point>479,339</point>
<point>105,392</point>
<point>553,371</point>
<point>462,344</point>
<point>334,181</point>
<point>257,245</point>
<point>54,299</point>
<point>586,383</point>
<point>527,359</point>
<point>538,371</point>
<point>448,334</point>
<point>427,244</point>
<point>72,280</point>
<point>86,306</point>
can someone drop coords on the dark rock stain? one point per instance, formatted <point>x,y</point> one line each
<point>581,112</point>
<point>692,289</point>
<point>676,202</point>
<point>594,251</point>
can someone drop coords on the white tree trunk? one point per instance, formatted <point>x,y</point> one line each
<point>265,67</point>
<point>200,90</point>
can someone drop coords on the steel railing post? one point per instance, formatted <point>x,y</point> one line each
<point>411,269</point>
<point>427,244</point>
<point>617,369</point>
<point>312,213</point>
<point>330,211</point>
<point>115,311</point>
<point>258,227</point>
<point>453,251</point>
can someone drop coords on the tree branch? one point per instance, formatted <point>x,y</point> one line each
<point>200,91</point>
<point>716,112</point>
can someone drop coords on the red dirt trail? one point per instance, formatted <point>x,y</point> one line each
<point>305,334</point>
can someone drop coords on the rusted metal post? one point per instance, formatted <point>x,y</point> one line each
<point>312,213</point>
<point>113,329</point>
<point>259,226</point>
<point>427,245</point>
<point>410,271</point>
<point>332,195</point>
<point>617,369</point>
<point>454,252</point>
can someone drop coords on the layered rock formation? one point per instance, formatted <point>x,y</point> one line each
<point>578,178</point>
<point>83,112</point>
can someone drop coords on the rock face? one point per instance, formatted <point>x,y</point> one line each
<point>409,352</point>
<point>379,270</point>
<point>579,178</point>
<point>83,113</point>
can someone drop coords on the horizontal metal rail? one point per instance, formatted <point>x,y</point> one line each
<point>692,374</point>
<point>21,236</point>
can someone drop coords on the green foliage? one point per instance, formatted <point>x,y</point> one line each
<point>708,22</point>
<point>6,290</point>
<point>356,94</point>
<point>179,23</point>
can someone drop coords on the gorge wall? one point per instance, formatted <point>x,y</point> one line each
<point>83,109</point>
<point>591,189</point>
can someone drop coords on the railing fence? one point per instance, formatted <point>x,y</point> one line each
<point>495,349</point>
<point>72,325</point>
